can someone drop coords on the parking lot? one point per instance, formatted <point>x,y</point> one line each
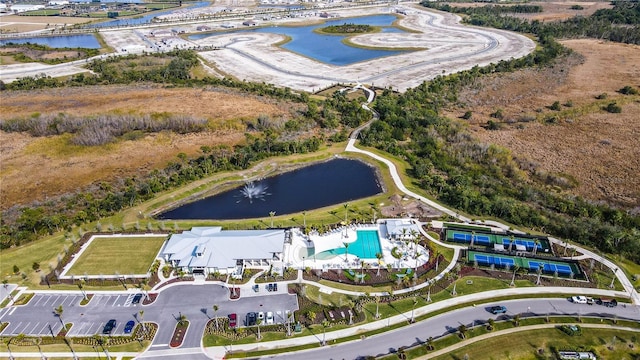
<point>38,318</point>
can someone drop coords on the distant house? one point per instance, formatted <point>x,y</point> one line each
<point>203,28</point>
<point>249,23</point>
<point>19,8</point>
<point>178,31</point>
<point>206,250</point>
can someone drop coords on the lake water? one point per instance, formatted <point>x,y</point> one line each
<point>145,19</point>
<point>327,48</point>
<point>315,186</point>
<point>86,41</point>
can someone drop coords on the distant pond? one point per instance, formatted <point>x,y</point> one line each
<point>85,41</point>
<point>311,187</point>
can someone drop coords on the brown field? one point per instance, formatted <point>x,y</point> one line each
<point>34,168</point>
<point>597,149</point>
<point>16,23</point>
<point>552,10</point>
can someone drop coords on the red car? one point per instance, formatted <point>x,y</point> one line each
<point>233,320</point>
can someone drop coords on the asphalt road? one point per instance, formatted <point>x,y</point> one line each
<point>448,323</point>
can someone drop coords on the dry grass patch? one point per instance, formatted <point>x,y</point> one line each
<point>36,168</point>
<point>122,255</point>
<point>595,148</point>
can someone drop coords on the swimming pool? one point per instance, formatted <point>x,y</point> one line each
<point>366,246</point>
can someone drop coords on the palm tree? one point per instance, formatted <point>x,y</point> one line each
<point>81,287</point>
<point>215,315</point>
<point>325,325</point>
<point>429,343</point>
<point>379,256</point>
<point>346,251</point>
<point>513,279</point>
<point>258,322</point>
<point>304,219</point>
<point>271,215</point>
<point>535,246</point>
<point>311,315</point>
<point>59,310</point>
<point>362,271</point>
<point>377,307</point>
<point>539,275</point>
<point>463,330</point>
<point>512,240</point>
<point>141,312</point>
<point>415,302</point>
<point>182,318</point>
<point>104,341</point>
<point>289,314</point>
<point>516,319</point>
<point>346,212</point>
<point>473,235</point>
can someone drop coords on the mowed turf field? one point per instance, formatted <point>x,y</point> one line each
<point>123,255</point>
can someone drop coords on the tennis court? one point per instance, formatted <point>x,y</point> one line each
<point>521,242</point>
<point>551,267</point>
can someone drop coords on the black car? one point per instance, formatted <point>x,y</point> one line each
<point>136,299</point>
<point>270,287</point>
<point>108,328</point>
<point>251,319</point>
<point>275,287</point>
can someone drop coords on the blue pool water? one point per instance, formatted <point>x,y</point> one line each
<point>366,246</point>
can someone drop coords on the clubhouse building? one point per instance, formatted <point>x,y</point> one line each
<point>207,250</point>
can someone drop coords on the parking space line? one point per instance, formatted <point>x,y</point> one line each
<point>33,328</point>
<point>115,300</point>
<point>44,330</point>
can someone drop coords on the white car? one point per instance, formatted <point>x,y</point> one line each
<point>579,299</point>
<point>261,317</point>
<point>269,320</point>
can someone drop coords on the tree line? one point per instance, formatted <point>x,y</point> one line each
<point>620,24</point>
<point>485,180</point>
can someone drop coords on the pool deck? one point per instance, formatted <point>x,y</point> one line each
<point>300,253</point>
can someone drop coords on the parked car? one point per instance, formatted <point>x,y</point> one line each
<point>275,287</point>
<point>610,302</point>
<point>136,299</point>
<point>497,309</point>
<point>233,320</point>
<point>269,319</point>
<point>109,326</point>
<point>256,288</point>
<point>579,299</point>
<point>251,318</point>
<point>270,287</point>
<point>261,317</point>
<point>129,326</point>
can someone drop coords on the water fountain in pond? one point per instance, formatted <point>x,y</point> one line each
<point>253,191</point>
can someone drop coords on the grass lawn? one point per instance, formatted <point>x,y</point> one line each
<point>524,345</point>
<point>124,255</point>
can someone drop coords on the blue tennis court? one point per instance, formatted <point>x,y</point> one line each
<point>551,268</point>
<point>493,260</point>
<point>477,239</point>
<point>527,243</point>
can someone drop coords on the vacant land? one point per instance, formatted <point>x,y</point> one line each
<point>595,151</point>
<point>118,255</point>
<point>17,23</point>
<point>551,10</point>
<point>37,168</point>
